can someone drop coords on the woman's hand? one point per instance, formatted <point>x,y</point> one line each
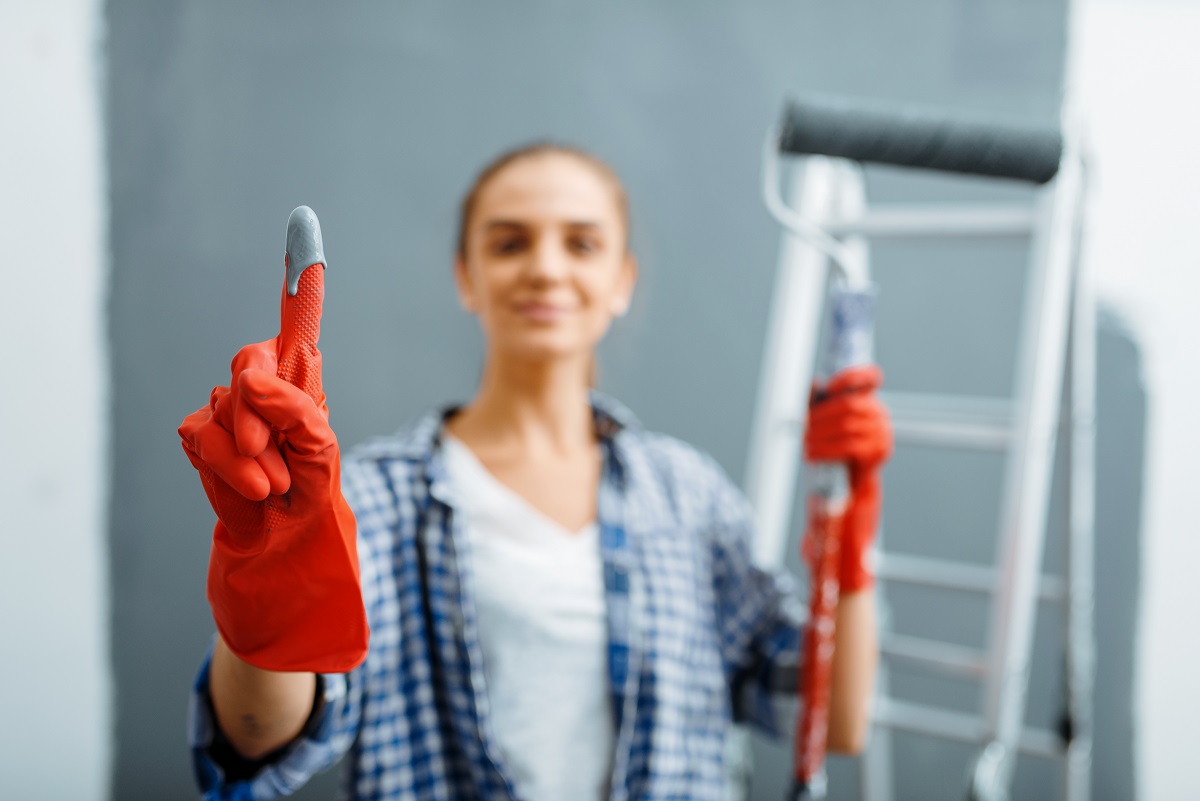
<point>283,572</point>
<point>847,422</point>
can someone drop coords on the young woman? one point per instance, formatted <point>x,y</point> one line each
<point>561,604</point>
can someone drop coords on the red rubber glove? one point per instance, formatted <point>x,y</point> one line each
<point>283,577</point>
<point>847,422</point>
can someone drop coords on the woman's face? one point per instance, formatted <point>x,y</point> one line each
<point>546,265</point>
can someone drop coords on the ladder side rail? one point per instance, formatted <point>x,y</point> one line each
<point>1081,506</point>
<point>1040,371</point>
<point>781,404</point>
<point>789,362</point>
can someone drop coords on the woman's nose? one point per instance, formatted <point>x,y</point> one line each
<point>548,260</point>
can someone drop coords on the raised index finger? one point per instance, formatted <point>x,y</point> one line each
<point>300,305</point>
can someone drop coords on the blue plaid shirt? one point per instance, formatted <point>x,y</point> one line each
<point>692,624</point>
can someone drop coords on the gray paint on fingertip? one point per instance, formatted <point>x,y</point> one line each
<point>305,247</point>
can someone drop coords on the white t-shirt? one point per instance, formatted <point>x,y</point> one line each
<point>539,597</point>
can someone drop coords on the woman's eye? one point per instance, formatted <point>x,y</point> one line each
<point>584,245</point>
<point>507,246</point>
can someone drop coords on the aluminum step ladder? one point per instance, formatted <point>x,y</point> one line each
<point>824,206</point>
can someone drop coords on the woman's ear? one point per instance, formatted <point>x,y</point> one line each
<point>625,285</point>
<point>462,281</point>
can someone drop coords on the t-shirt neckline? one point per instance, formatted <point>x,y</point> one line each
<point>508,495</point>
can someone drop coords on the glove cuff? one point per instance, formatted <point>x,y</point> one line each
<point>857,568</point>
<point>296,604</point>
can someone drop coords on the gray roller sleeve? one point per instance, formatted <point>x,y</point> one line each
<point>913,137</point>
<point>304,245</point>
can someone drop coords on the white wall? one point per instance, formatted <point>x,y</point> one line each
<point>55,677</point>
<point>1137,76</point>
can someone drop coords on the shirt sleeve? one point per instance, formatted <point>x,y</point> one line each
<point>759,613</point>
<point>223,775</point>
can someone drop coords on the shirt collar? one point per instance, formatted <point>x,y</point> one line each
<point>418,439</point>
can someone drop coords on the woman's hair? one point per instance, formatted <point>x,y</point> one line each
<point>531,151</point>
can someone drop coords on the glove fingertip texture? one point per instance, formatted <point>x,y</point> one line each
<point>300,360</point>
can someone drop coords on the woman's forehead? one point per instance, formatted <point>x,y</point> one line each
<point>548,187</point>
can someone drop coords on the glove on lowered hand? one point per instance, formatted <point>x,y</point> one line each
<point>847,422</point>
<point>283,576</point>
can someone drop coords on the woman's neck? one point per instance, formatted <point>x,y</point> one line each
<point>526,408</point>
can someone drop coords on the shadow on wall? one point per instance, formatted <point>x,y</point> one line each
<point>1120,460</point>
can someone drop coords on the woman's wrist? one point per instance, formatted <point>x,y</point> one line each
<point>258,710</point>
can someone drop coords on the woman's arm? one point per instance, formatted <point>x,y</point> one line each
<point>855,656</point>
<point>760,622</point>
<point>850,425</point>
<point>258,710</point>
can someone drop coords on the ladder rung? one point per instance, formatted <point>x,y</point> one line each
<point>949,575</point>
<point>950,420</point>
<point>934,722</point>
<point>956,660</point>
<point>1041,742</point>
<point>927,720</point>
<point>927,220</point>
<point>951,435</point>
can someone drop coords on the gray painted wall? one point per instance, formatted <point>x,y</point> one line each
<point>223,116</point>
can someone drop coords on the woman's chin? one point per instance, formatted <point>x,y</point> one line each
<point>546,350</point>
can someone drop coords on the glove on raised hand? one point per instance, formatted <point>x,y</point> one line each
<point>283,577</point>
<point>847,422</point>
